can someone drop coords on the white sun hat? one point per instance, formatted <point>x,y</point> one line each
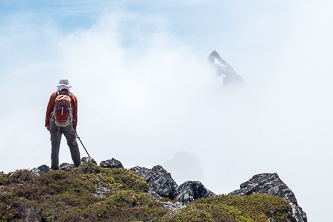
<point>64,82</point>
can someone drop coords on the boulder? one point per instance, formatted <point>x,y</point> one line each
<point>113,163</point>
<point>66,166</point>
<point>41,169</point>
<point>270,183</point>
<point>192,190</point>
<point>143,172</point>
<point>88,159</point>
<point>162,182</point>
<point>159,180</point>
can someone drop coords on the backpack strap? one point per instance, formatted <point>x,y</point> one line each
<point>70,95</point>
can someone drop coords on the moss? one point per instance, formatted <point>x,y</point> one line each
<point>224,212</point>
<point>188,214</point>
<point>129,180</point>
<point>256,207</point>
<point>4,179</point>
<point>116,178</point>
<point>71,196</point>
<point>21,177</point>
<point>127,206</point>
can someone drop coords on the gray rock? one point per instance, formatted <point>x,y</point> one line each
<point>173,206</point>
<point>143,172</point>
<point>113,163</point>
<point>88,159</point>
<point>41,169</point>
<point>159,180</point>
<point>270,183</point>
<point>163,183</point>
<point>66,166</point>
<point>192,190</point>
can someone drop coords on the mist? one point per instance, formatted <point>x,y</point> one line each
<point>145,96</point>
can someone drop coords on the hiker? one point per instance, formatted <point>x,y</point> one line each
<point>61,118</point>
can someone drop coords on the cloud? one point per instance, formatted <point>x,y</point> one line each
<point>137,94</point>
<point>145,95</point>
<point>155,98</point>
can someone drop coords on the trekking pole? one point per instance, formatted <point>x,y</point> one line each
<point>77,136</point>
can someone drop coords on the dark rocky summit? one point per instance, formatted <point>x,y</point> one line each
<point>270,183</point>
<point>224,70</point>
<point>93,193</point>
<point>113,163</point>
<point>162,185</point>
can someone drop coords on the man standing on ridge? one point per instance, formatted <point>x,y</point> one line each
<point>61,118</point>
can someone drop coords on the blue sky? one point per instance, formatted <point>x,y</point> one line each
<point>198,23</point>
<point>144,65</point>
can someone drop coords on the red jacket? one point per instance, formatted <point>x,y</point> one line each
<point>50,108</point>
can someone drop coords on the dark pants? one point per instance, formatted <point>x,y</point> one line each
<point>70,135</point>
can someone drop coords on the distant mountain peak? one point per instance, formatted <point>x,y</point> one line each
<point>214,54</point>
<point>224,70</point>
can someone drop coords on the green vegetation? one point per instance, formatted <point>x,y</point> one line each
<point>93,193</point>
<point>252,208</point>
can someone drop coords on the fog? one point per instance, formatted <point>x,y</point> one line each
<point>147,97</point>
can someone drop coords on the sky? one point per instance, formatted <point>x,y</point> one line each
<point>147,96</point>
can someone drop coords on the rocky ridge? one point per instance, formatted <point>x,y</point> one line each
<point>162,185</point>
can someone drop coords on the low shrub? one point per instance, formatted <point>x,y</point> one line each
<point>93,193</point>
